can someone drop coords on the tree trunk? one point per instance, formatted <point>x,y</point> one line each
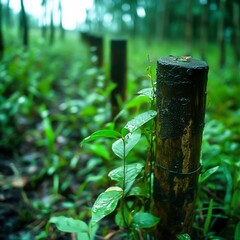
<point>1,33</point>
<point>44,19</point>
<point>189,26</point>
<point>203,32</point>
<point>181,98</point>
<point>24,25</point>
<point>221,33</point>
<point>236,32</point>
<point>118,73</point>
<point>62,30</point>
<point>52,29</point>
<point>9,21</point>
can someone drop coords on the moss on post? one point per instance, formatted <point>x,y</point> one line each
<point>181,98</point>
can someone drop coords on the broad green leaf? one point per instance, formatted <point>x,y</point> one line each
<point>147,92</point>
<point>102,134</point>
<point>140,120</point>
<point>209,217</point>
<point>71,225</point>
<point>124,220</point>
<point>207,174</point>
<point>105,203</point>
<point>137,101</point>
<point>142,191</point>
<point>82,236</point>
<point>132,171</point>
<point>131,139</point>
<point>183,236</point>
<point>144,220</point>
<point>237,232</point>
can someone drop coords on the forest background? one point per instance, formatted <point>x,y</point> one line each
<point>53,94</point>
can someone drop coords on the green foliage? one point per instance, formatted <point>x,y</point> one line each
<point>144,220</point>
<point>131,171</point>
<point>125,177</point>
<point>209,217</point>
<point>51,99</point>
<point>83,231</point>
<point>106,203</point>
<point>184,236</point>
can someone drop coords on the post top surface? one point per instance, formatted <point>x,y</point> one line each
<point>184,61</point>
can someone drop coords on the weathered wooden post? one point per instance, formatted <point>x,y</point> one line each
<point>118,72</point>
<point>181,98</point>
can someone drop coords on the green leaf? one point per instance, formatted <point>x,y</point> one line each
<point>144,220</point>
<point>147,92</point>
<point>132,171</point>
<point>237,232</point>
<point>209,217</point>
<point>142,191</point>
<point>105,203</point>
<point>82,236</point>
<point>137,102</point>
<point>71,225</point>
<point>102,134</point>
<point>140,120</point>
<point>124,219</point>
<point>183,236</point>
<point>207,174</point>
<point>93,231</point>
<point>131,139</point>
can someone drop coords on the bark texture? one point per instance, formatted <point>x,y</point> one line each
<point>181,98</point>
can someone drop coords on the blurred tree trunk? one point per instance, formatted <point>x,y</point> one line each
<point>134,16</point>
<point>62,30</point>
<point>204,31</point>
<point>236,31</point>
<point>221,32</point>
<point>150,20</point>
<point>24,29</point>
<point>44,18</point>
<point>1,33</point>
<point>189,26</point>
<point>52,27</point>
<point>8,14</point>
<point>164,20</point>
<point>24,25</point>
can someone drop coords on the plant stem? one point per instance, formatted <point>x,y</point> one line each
<point>124,181</point>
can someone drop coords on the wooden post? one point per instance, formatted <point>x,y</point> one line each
<point>181,98</point>
<point>98,43</point>
<point>96,47</point>
<point>118,72</point>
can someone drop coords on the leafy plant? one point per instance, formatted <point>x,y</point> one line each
<point>126,197</point>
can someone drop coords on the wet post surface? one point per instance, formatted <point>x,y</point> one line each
<point>118,72</point>
<point>181,100</point>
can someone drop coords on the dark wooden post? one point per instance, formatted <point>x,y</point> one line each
<point>181,98</point>
<point>96,47</point>
<point>98,43</point>
<point>118,72</point>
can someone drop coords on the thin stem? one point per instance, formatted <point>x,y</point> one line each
<point>124,181</point>
<point>124,165</point>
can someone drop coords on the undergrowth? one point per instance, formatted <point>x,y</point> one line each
<point>53,97</point>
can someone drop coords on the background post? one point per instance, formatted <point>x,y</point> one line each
<point>118,72</point>
<point>181,99</point>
